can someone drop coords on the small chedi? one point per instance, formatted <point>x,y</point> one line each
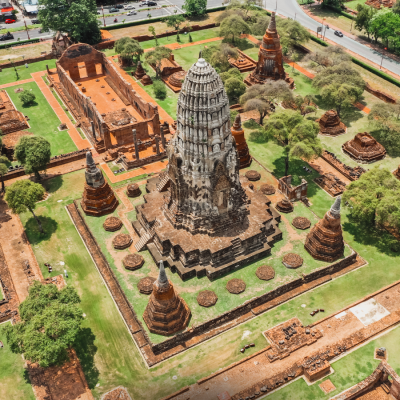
<point>208,222</point>
<point>140,72</point>
<point>364,149</point>
<point>166,312</point>
<point>98,197</point>
<point>241,145</point>
<point>396,173</point>
<point>325,240</point>
<point>270,59</point>
<point>284,206</point>
<point>330,124</point>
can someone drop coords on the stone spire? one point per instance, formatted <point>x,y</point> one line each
<point>93,175</point>
<point>241,144</point>
<point>335,209</point>
<point>203,165</point>
<point>162,281</point>
<point>237,125</point>
<point>272,24</point>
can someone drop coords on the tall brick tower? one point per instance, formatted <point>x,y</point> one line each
<point>241,145</point>
<point>98,197</point>
<point>270,59</point>
<point>166,312</point>
<point>325,240</point>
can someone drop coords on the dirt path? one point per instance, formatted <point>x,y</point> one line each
<point>16,249</point>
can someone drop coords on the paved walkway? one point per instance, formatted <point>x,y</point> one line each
<point>7,85</point>
<point>176,45</point>
<point>61,114</point>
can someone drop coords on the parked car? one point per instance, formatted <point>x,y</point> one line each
<point>35,21</point>
<point>113,10</point>
<point>151,3</point>
<point>119,6</point>
<point>143,3</point>
<point>129,7</point>
<point>7,36</point>
<point>338,33</point>
<point>9,20</point>
<point>131,13</point>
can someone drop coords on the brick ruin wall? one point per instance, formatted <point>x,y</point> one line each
<point>154,353</point>
<point>54,162</point>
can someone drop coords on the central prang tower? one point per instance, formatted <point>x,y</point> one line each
<point>206,195</point>
<point>210,221</point>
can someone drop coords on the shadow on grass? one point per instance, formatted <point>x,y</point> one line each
<point>388,141</point>
<point>27,379</point>
<point>52,185</point>
<point>31,104</point>
<point>32,229</point>
<point>367,235</point>
<point>86,350</point>
<point>241,43</point>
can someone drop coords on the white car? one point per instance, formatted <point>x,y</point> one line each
<point>129,7</point>
<point>131,13</point>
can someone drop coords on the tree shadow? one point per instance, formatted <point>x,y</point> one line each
<point>241,43</point>
<point>370,236</point>
<point>31,104</point>
<point>32,229</point>
<point>53,184</point>
<point>86,350</point>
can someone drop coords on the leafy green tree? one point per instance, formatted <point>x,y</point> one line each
<point>194,8</point>
<point>228,12</point>
<point>396,7</point>
<point>262,97</point>
<point>233,83</point>
<point>34,153</point>
<point>299,136</point>
<point>261,25</point>
<point>76,17</point>
<point>128,48</point>
<point>327,57</point>
<point>218,56</point>
<point>374,199</point>
<point>23,195</point>
<point>174,21</point>
<point>27,97</point>
<point>292,34</point>
<point>3,169</point>
<point>232,27</point>
<point>50,323</point>
<point>305,105</point>
<point>152,30</point>
<point>364,18</point>
<point>160,91</point>
<point>385,24</point>
<point>155,57</point>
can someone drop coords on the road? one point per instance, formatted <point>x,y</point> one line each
<point>288,8</point>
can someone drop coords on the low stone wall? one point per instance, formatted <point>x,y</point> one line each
<point>54,162</point>
<point>109,44</point>
<point>387,98</point>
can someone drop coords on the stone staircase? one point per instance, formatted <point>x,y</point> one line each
<point>163,183</point>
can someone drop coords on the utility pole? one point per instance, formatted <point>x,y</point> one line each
<point>26,29</point>
<point>104,20</point>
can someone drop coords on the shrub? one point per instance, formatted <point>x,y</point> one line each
<point>27,97</point>
<point>160,91</point>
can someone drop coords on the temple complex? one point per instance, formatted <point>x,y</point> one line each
<point>166,312</point>
<point>115,118</point>
<point>98,197</point>
<point>211,221</point>
<point>241,145</point>
<point>325,240</point>
<point>364,149</point>
<point>270,59</point>
<point>330,124</point>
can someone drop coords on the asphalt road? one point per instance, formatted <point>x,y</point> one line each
<point>288,8</point>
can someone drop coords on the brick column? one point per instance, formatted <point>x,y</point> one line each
<point>93,131</point>
<point>157,145</point>
<point>136,146</point>
<point>162,137</point>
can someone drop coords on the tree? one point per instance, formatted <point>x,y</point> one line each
<point>232,27</point>
<point>50,323</point>
<point>385,24</point>
<point>128,48</point>
<point>305,105</point>
<point>261,25</point>
<point>299,136</point>
<point>292,34</point>
<point>33,152</point>
<point>396,7</point>
<point>262,97</point>
<point>3,169</point>
<point>78,18</point>
<point>374,199</point>
<point>152,30</point>
<point>23,195</point>
<point>155,57</point>
<point>27,97</point>
<point>228,12</point>
<point>160,91</point>
<point>194,8</point>
<point>218,56</point>
<point>364,18</point>
<point>233,82</point>
<point>341,97</point>
<point>328,56</point>
<point>174,21</point>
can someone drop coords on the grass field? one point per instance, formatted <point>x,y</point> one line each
<point>43,120</point>
<point>353,4</point>
<point>14,381</point>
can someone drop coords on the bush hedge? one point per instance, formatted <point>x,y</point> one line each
<point>14,44</point>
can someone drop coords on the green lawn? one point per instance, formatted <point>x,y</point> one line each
<point>353,4</point>
<point>43,120</point>
<point>14,381</point>
<point>8,75</point>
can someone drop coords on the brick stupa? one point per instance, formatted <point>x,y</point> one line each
<point>270,59</point>
<point>325,240</point>
<point>396,173</point>
<point>166,312</point>
<point>330,124</point>
<point>98,197</point>
<point>364,148</point>
<point>241,145</point>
